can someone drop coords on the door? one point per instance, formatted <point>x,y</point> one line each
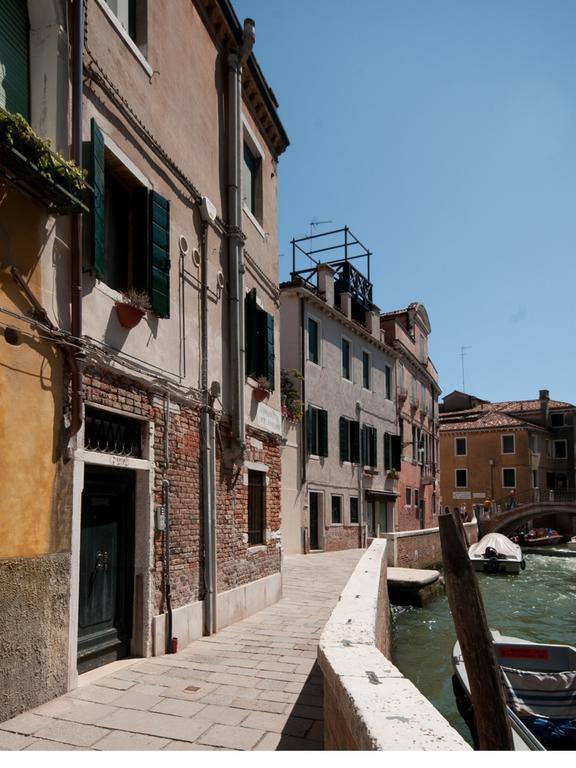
<point>106,567</point>
<point>383,517</point>
<point>370,521</point>
<point>313,505</point>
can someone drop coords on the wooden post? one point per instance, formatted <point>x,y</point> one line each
<point>475,640</point>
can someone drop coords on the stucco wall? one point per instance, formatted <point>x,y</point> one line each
<point>34,639</point>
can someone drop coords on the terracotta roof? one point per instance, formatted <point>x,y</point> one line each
<point>481,420</point>
<point>517,406</point>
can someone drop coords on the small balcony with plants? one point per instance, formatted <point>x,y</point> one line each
<point>29,162</point>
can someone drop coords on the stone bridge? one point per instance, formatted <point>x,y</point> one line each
<point>528,511</point>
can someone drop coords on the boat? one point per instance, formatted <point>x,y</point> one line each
<point>495,553</point>
<point>540,688</point>
<point>538,537</point>
<point>571,544</point>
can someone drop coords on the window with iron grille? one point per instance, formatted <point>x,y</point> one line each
<point>256,507</point>
<point>108,432</point>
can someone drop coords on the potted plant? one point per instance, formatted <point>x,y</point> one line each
<point>132,308</point>
<point>262,390</point>
<point>291,401</point>
<point>393,474</point>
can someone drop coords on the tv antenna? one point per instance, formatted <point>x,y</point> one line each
<point>462,353</point>
<point>315,223</point>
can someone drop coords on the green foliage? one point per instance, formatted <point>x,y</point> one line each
<point>138,299</point>
<point>291,401</point>
<point>16,132</point>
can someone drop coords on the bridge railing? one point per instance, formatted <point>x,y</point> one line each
<point>532,496</point>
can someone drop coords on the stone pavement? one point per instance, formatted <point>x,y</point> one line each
<point>253,686</point>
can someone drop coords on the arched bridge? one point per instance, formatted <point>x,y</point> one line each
<point>513,511</point>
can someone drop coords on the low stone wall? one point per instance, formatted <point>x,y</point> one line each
<point>368,704</point>
<point>420,548</point>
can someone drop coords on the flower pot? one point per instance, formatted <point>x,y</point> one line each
<point>128,316</point>
<point>261,394</point>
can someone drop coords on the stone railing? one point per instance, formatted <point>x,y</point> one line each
<point>368,703</point>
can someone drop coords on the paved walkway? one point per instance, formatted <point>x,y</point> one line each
<point>254,685</point>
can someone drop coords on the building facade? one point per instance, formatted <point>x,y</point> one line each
<point>154,468</point>
<point>504,453</point>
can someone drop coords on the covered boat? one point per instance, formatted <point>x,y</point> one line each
<point>495,553</point>
<point>540,686</point>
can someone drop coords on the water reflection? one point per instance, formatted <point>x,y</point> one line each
<point>539,604</point>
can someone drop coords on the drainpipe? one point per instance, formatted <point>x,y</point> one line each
<point>361,504</point>
<point>236,239</point>
<point>76,224</point>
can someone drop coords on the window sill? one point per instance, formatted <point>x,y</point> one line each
<point>254,221</point>
<point>254,548</point>
<point>136,52</point>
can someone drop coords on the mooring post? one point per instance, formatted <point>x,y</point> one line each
<point>475,639</point>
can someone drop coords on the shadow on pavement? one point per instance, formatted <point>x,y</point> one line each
<point>304,728</point>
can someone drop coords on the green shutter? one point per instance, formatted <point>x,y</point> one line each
<point>97,165</point>
<point>396,446</point>
<point>14,85</point>
<point>323,429</point>
<point>141,260</point>
<point>269,350</point>
<point>159,254</point>
<point>309,430</point>
<point>343,427</point>
<point>250,333</point>
<point>355,441</point>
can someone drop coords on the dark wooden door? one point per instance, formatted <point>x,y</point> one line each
<point>313,508</point>
<point>106,567</point>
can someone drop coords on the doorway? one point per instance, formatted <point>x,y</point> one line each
<point>314,511</point>
<point>106,566</point>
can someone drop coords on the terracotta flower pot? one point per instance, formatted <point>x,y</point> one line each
<point>128,316</point>
<point>261,394</point>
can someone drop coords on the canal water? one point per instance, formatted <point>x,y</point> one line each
<point>538,604</point>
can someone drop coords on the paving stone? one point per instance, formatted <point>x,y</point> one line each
<point>77,734</point>
<point>274,685</point>
<point>294,744</point>
<point>43,745</point>
<point>288,698</point>
<point>231,737</point>
<point>115,683</point>
<point>269,742</point>
<point>180,708</point>
<point>241,681</point>
<point>121,740</point>
<point>25,724</point>
<point>96,693</point>
<point>10,740</point>
<point>260,705</point>
<point>156,724</point>
<point>187,746</point>
<point>133,699</point>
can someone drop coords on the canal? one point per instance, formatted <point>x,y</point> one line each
<point>539,604</point>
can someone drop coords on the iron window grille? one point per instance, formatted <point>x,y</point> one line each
<point>107,432</point>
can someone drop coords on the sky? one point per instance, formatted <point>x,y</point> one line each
<point>443,133</point>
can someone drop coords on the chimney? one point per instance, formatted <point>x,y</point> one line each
<point>544,394</point>
<point>544,402</point>
<point>326,283</point>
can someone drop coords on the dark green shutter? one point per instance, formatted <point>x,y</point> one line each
<point>309,428</point>
<point>343,427</point>
<point>269,350</point>
<point>323,430</point>
<point>97,165</point>
<point>14,87</point>
<point>159,255</point>
<point>141,259</point>
<point>250,332</point>
<point>373,447</point>
<point>396,446</point>
<point>355,441</point>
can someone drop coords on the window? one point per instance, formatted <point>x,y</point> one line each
<point>336,510</point>
<point>252,165</point>
<point>256,507</point>
<point>507,443</point>
<point>130,229</point>
<point>349,440</point>
<point>416,499</point>
<point>422,349</point>
<point>313,341</point>
<point>560,449</point>
<point>461,478</point>
<point>259,341</point>
<point>388,381</point>
<point>131,17</point>
<point>369,451</point>
<point>408,497</point>
<point>534,476</point>
<point>413,391</point>
<point>392,448</point>
<point>14,57</point>
<point>317,431</point>
<point>401,377</point>
<point>556,419</point>
<point>346,359</point>
<point>366,370</point>
<point>508,477</point>
<point>354,510</point>
<point>460,446</point>
<point>533,443</point>
<point>124,10</point>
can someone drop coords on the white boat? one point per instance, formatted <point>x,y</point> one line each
<point>495,553</point>
<point>540,687</point>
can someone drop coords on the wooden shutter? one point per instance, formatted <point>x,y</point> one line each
<point>269,349</point>
<point>141,258</point>
<point>373,447</point>
<point>159,254</point>
<point>97,165</point>
<point>14,85</point>
<point>250,332</point>
<point>309,430</point>
<point>396,449</point>
<point>355,441</point>
<point>323,433</point>
<point>343,427</point>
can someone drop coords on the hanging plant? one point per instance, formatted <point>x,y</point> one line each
<point>132,308</point>
<point>291,400</point>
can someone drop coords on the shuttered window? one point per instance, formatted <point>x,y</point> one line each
<point>317,431</point>
<point>259,341</point>
<point>369,450</point>
<point>14,57</point>
<point>349,432</point>
<point>130,230</point>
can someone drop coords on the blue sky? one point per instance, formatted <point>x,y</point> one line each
<point>443,133</point>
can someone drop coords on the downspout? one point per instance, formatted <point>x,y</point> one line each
<point>207,448</point>
<point>171,642</point>
<point>361,504</point>
<point>76,224</point>
<point>236,238</point>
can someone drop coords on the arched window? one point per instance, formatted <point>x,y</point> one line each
<point>14,68</point>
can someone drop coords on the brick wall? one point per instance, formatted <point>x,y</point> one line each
<point>341,537</point>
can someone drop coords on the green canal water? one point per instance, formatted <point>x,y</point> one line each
<point>538,604</point>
